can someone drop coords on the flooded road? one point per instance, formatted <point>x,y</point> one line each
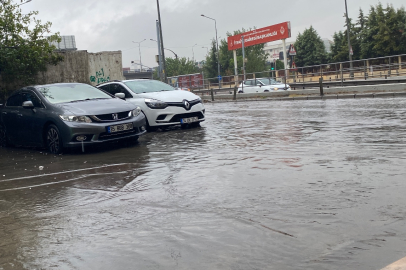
<point>261,185</point>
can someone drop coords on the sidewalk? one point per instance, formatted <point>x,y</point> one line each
<point>399,265</point>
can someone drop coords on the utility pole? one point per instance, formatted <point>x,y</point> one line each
<point>162,41</point>
<point>349,42</point>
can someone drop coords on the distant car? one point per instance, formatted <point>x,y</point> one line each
<point>58,116</point>
<point>162,104</point>
<point>262,85</point>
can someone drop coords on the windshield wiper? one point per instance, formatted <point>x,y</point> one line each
<point>85,99</point>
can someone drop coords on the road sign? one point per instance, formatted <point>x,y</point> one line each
<point>219,77</point>
<point>292,50</point>
<point>351,52</point>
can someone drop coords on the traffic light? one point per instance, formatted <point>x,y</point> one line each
<point>272,66</point>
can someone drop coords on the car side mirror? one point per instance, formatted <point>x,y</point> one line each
<point>259,85</point>
<point>120,95</point>
<point>28,105</point>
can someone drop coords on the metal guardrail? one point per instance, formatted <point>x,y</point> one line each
<point>339,74</point>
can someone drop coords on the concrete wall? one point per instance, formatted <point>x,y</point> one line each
<point>74,68</point>
<point>84,67</point>
<point>105,66</point>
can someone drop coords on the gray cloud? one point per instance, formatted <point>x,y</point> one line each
<point>113,25</point>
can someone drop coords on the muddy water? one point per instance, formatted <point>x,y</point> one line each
<point>261,185</point>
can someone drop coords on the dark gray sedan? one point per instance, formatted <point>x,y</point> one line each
<point>58,116</point>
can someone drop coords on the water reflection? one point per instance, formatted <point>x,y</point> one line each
<point>261,185</point>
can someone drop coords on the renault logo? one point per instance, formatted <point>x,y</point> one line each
<point>115,116</point>
<point>186,104</point>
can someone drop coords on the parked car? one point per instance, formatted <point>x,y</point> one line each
<point>162,104</point>
<point>260,85</point>
<point>58,116</point>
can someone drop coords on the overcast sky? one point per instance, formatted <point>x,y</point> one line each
<point>102,25</point>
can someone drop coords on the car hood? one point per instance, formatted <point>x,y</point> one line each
<point>169,96</point>
<point>97,106</point>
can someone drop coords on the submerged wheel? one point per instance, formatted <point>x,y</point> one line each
<point>195,124</point>
<point>3,137</point>
<point>53,140</point>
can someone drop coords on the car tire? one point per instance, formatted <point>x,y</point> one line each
<point>3,137</point>
<point>53,140</point>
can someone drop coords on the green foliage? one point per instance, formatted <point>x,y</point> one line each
<point>381,33</point>
<point>180,66</point>
<point>310,49</point>
<point>210,67</point>
<point>25,46</point>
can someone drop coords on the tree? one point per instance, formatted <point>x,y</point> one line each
<point>310,49</point>
<point>210,67</point>
<point>25,46</point>
<point>180,66</point>
<point>256,58</point>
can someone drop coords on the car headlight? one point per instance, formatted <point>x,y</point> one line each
<point>136,111</point>
<point>155,104</point>
<point>74,118</point>
<point>276,88</point>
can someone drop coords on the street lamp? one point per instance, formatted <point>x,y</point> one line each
<point>193,53</point>
<point>217,42</point>
<point>207,48</point>
<point>176,56</point>
<point>349,42</point>
<point>139,49</point>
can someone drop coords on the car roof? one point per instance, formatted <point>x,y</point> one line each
<point>124,81</point>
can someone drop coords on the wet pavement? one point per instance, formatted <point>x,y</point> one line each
<point>261,185</point>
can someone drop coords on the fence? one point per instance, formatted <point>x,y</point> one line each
<point>366,69</point>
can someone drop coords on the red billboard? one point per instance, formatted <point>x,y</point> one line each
<point>259,36</point>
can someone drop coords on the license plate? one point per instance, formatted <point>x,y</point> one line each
<point>189,120</point>
<point>118,128</point>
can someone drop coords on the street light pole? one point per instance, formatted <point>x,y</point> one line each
<point>193,52</point>
<point>176,56</point>
<point>348,37</point>
<point>139,50</point>
<point>162,41</point>
<point>207,48</point>
<point>217,42</point>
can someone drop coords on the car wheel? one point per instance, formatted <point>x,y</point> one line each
<point>3,137</point>
<point>266,90</point>
<point>53,140</point>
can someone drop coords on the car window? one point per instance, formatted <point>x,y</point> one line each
<point>30,96</point>
<point>268,81</point>
<point>105,88</point>
<point>70,92</point>
<point>147,86</point>
<point>14,101</point>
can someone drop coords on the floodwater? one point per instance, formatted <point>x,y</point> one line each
<point>261,185</point>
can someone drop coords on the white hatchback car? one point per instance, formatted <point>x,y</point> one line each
<point>162,104</point>
<point>260,85</point>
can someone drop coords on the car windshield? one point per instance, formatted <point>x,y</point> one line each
<point>267,81</point>
<point>147,86</point>
<point>61,93</point>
